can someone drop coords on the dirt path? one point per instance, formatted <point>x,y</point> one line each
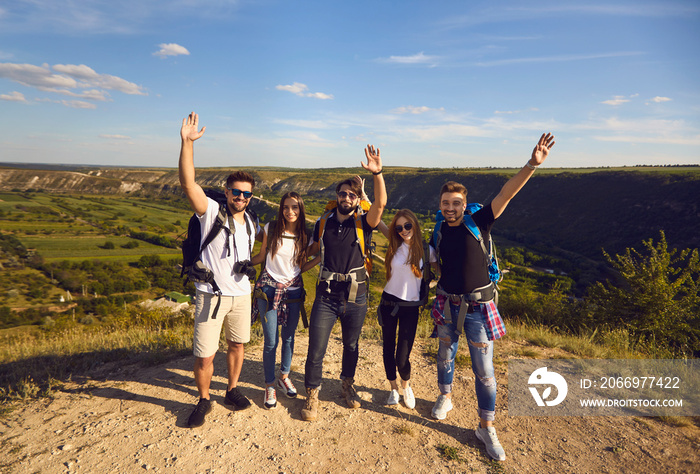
<point>133,420</point>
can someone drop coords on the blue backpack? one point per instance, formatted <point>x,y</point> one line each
<point>495,273</point>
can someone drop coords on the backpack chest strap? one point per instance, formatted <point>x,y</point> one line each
<point>478,296</point>
<point>354,277</point>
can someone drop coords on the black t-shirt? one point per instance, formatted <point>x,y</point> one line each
<point>463,265</point>
<point>341,251</point>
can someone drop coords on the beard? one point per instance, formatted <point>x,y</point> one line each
<point>345,210</point>
<point>238,206</point>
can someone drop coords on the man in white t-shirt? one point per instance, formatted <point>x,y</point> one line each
<point>223,256</point>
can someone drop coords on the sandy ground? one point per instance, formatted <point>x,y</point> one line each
<point>133,419</point>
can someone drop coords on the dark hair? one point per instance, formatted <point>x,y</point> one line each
<point>301,240</point>
<point>415,248</point>
<point>453,187</point>
<point>240,176</point>
<point>355,186</point>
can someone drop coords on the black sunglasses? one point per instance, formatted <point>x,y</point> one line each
<point>238,192</point>
<point>344,194</point>
<point>407,226</point>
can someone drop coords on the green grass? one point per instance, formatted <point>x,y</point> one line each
<point>449,453</point>
<point>87,247</point>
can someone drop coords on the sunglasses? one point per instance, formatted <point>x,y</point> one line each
<point>238,192</point>
<point>345,194</point>
<point>406,226</point>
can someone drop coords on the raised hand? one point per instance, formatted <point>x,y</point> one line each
<point>374,161</point>
<point>189,128</point>
<point>541,150</point>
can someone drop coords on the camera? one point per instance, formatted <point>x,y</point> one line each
<point>245,268</point>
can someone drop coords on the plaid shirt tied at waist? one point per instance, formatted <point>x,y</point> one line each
<point>493,323</point>
<point>279,302</point>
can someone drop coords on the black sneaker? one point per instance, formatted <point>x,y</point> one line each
<point>200,411</point>
<point>237,399</point>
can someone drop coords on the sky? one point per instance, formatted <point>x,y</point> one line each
<point>445,83</point>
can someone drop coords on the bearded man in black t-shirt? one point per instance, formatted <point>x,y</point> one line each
<point>465,295</point>
<point>341,293</point>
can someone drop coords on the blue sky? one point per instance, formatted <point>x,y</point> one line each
<point>309,84</point>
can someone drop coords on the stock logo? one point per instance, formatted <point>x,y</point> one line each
<point>542,377</point>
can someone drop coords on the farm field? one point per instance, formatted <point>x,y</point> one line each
<point>78,227</point>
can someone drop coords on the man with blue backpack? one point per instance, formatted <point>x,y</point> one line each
<point>466,292</point>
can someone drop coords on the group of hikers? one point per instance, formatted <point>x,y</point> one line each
<point>464,300</point>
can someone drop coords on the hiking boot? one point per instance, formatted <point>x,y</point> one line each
<point>350,394</point>
<point>200,411</point>
<point>287,387</point>
<point>270,398</point>
<point>237,399</point>
<point>310,410</point>
<point>408,398</point>
<point>393,398</point>
<point>493,446</point>
<point>441,407</point>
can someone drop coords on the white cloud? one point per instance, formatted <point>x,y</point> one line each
<point>78,104</point>
<point>562,58</point>
<point>316,124</point>
<point>319,95</point>
<point>619,99</point>
<point>514,112</point>
<point>658,100</point>
<point>13,97</point>
<point>616,100</point>
<point>411,109</point>
<point>171,49</point>
<point>420,59</point>
<point>115,137</point>
<point>301,90</point>
<point>90,78</point>
<point>39,77</point>
<point>73,80</point>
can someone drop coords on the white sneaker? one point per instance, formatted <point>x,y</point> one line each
<point>393,398</point>
<point>493,446</point>
<point>270,398</point>
<point>408,398</point>
<point>442,406</point>
<point>287,386</point>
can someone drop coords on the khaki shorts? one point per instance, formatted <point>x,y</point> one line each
<point>233,315</point>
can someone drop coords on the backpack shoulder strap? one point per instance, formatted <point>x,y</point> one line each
<point>360,232</point>
<point>218,225</point>
<point>471,226</point>
<point>426,261</point>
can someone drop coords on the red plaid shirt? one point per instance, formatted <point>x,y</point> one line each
<point>279,302</point>
<point>495,328</point>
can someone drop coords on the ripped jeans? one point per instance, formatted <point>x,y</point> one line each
<point>482,359</point>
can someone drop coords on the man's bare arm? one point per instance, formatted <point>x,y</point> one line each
<point>193,191</point>
<point>516,183</point>
<point>374,165</point>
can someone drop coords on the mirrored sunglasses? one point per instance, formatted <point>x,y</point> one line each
<point>238,192</point>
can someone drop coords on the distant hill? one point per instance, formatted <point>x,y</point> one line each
<point>577,210</point>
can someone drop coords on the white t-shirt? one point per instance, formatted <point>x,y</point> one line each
<point>216,256</point>
<point>283,267</point>
<point>403,283</point>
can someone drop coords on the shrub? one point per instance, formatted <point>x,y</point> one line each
<point>656,295</point>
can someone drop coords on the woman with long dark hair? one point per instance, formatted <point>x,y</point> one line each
<point>401,300</point>
<point>279,291</point>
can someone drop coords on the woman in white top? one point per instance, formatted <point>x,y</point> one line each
<point>400,303</point>
<point>279,290</point>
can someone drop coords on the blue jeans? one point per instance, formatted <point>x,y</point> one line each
<point>482,359</point>
<point>323,316</point>
<point>271,331</point>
